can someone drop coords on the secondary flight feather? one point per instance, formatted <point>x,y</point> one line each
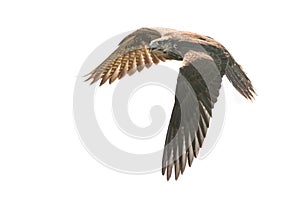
<point>204,62</point>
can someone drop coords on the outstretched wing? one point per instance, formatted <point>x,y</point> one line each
<point>197,89</point>
<point>132,54</point>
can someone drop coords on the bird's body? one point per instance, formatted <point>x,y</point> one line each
<point>205,62</point>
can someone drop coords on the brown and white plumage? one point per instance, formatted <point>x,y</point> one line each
<point>205,61</point>
<point>132,55</point>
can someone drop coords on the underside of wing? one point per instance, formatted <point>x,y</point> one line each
<point>133,54</point>
<point>197,90</point>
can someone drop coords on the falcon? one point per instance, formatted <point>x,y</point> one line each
<point>204,62</point>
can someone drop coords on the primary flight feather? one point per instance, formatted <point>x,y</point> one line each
<point>204,62</point>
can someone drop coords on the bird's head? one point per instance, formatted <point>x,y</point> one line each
<point>166,47</point>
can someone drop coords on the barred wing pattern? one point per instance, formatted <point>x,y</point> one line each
<point>132,55</point>
<point>205,61</point>
<point>197,89</point>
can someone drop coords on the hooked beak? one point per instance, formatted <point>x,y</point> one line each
<point>157,50</point>
<point>155,47</point>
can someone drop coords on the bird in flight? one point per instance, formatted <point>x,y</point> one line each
<point>204,62</point>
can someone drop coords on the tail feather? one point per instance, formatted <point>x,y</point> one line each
<point>240,81</point>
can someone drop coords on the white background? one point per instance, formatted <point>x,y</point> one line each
<point>42,47</point>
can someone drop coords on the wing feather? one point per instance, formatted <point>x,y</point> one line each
<point>132,55</point>
<point>197,90</point>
